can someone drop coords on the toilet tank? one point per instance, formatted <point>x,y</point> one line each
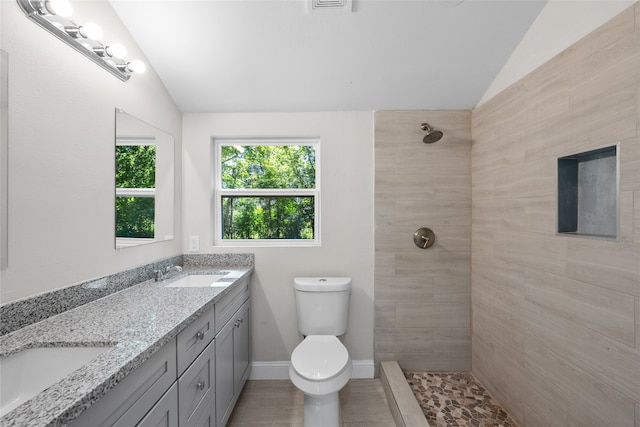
<point>322,304</point>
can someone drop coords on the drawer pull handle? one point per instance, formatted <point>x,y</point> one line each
<point>200,385</point>
<point>200,335</point>
<point>237,324</point>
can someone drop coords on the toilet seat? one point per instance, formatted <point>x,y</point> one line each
<point>320,357</point>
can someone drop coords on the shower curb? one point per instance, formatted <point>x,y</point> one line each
<point>404,407</point>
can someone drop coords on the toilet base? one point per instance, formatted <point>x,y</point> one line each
<point>322,411</point>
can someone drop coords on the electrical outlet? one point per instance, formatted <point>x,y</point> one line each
<point>194,243</point>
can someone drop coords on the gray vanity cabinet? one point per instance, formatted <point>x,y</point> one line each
<point>132,399</point>
<point>242,346</point>
<point>165,412</point>
<point>192,381</point>
<point>233,352</point>
<point>196,390</point>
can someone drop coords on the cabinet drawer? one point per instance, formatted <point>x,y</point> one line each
<point>196,389</point>
<point>230,303</point>
<point>165,413</point>
<point>128,402</point>
<point>192,340</point>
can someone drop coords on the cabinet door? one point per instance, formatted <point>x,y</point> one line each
<point>242,346</point>
<point>135,395</point>
<point>224,373</point>
<point>164,413</point>
<point>196,389</point>
<point>194,338</point>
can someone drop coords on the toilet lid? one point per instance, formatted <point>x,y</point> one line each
<point>319,357</point>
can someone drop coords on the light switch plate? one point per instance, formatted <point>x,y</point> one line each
<point>194,243</point>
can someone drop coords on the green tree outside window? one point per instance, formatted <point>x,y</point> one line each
<point>135,207</point>
<point>264,169</point>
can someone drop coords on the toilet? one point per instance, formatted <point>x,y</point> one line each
<point>320,364</point>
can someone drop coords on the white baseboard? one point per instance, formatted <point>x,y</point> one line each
<point>280,370</point>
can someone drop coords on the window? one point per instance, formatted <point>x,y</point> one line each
<point>266,191</point>
<point>135,188</point>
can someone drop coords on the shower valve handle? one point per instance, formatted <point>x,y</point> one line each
<point>424,238</point>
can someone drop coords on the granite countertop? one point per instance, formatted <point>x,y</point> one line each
<point>134,322</point>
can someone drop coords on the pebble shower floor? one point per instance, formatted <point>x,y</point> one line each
<point>456,399</point>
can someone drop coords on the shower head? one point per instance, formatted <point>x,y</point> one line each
<point>432,135</point>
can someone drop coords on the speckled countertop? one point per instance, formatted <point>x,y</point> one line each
<point>136,322</point>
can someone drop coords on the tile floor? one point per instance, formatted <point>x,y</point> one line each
<point>456,399</point>
<point>280,404</point>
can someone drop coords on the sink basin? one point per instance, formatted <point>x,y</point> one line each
<point>197,281</point>
<point>25,374</point>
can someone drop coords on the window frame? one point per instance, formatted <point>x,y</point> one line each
<point>219,192</point>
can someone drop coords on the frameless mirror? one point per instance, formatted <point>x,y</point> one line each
<point>144,182</point>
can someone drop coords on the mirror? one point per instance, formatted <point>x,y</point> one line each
<point>144,183</point>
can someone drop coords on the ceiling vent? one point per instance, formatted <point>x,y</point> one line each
<point>330,6</point>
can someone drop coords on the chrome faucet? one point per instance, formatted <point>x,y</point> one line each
<point>160,275</point>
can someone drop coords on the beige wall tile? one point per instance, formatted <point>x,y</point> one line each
<point>385,315</point>
<point>630,162</point>
<point>482,185</point>
<point>540,215</point>
<point>429,263</point>
<point>555,327</point>
<point>435,315</point>
<point>481,241</point>
<point>403,187</point>
<point>606,70</point>
<point>452,289</point>
<point>636,217</point>
<point>612,265</point>
<point>404,340</point>
<point>538,252</point>
<point>546,327</point>
<point>385,160</point>
<point>452,340</point>
<point>419,185</point>
<point>587,349</point>
<point>625,225</point>
<point>452,187</point>
<point>638,323</point>
<point>590,401</point>
<point>423,213</point>
<point>609,312</point>
<point>404,290</point>
<point>540,178</point>
<point>433,159</point>
<point>385,213</point>
<point>545,403</point>
<point>437,361</point>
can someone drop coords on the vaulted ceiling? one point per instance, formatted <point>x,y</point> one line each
<point>274,55</point>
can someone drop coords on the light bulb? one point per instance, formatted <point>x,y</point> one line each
<point>136,66</point>
<point>117,50</point>
<point>90,31</point>
<point>58,7</point>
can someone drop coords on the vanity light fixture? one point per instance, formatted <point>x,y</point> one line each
<point>52,15</point>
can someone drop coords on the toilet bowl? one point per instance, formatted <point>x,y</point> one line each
<point>320,364</point>
<point>320,368</point>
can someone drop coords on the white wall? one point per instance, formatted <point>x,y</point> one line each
<point>346,221</point>
<point>560,24</point>
<point>61,154</point>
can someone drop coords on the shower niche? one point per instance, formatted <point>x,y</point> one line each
<point>588,185</point>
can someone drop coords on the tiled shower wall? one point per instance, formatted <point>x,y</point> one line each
<point>556,319</point>
<point>423,296</point>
